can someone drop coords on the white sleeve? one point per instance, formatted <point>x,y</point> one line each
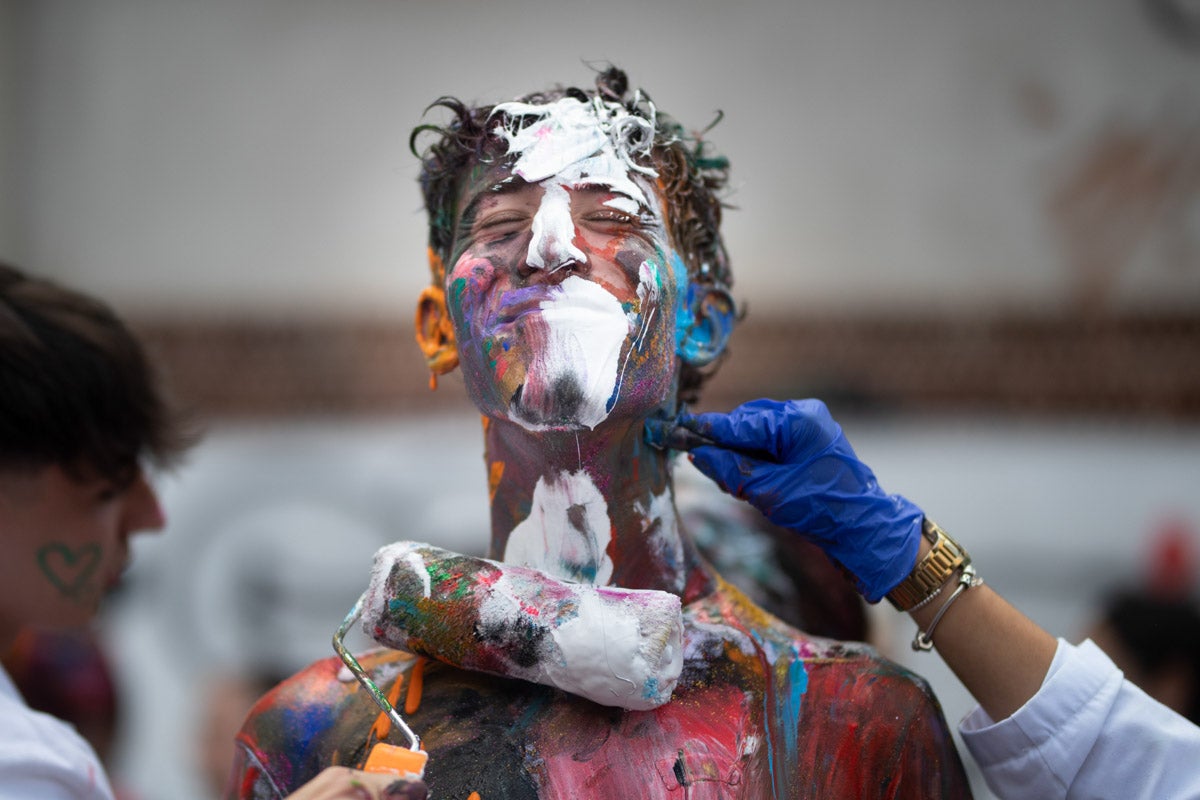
<point>1087,733</point>
<point>43,758</point>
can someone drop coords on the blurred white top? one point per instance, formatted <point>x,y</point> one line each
<point>1087,733</point>
<point>43,757</point>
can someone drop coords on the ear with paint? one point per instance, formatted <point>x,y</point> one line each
<point>435,333</point>
<point>703,327</point>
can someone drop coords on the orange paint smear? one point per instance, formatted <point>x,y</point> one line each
<point>437,270</point>
<point>412,701</point>
<point>383,723</point>
<point>495,473</point>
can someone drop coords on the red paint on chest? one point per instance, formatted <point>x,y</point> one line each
<point>703,745</point>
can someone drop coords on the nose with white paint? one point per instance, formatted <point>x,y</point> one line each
<point>552,245</point>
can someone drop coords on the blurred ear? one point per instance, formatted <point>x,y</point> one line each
<point>435,333</point>
<point>704,327</point>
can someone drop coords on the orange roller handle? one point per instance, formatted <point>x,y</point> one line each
<point>401,761</point>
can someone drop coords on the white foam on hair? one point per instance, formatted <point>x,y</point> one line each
<point>597,141</point>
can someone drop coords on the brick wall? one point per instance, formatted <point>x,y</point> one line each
<point>1139,366</point>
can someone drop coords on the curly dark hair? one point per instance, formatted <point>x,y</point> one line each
<point>691,175</point>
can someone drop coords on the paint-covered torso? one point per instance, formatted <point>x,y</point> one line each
<point>760,711</point>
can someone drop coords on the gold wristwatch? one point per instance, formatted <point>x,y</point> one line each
<point>932,572</point>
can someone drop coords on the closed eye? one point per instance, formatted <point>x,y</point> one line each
<point>611,215</point>
<point>495,227</point>
<point>611,221</point>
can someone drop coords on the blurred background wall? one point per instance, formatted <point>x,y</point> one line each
<point>935,201</point>
<point>973,227</point>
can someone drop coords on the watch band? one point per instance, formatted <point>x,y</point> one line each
<point>931,574</point>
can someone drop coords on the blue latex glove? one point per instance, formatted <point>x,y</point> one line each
<point>792,462</point>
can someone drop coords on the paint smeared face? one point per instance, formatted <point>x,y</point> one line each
<point>564,287</point>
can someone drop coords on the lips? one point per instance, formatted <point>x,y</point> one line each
<point>518,303</point>
<point>113,580</point>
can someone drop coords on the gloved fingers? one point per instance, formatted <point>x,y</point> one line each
<point>786,495</point>
<point>727,469</point>
<point>753,426</point>
<point>779,492</point>
<point>788,432</point>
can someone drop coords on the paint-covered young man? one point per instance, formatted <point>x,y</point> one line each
<point>580,281</point>
<point>80,414</point>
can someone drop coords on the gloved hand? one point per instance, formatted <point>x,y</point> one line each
<point>792,462</point>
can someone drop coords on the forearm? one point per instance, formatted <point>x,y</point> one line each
<point>1000,655</point>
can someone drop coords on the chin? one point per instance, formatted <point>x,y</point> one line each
<point>559,403</point>
<point>560,420</point>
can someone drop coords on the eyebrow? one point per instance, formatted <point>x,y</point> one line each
<point>604,188</point>
<point>509,185</point>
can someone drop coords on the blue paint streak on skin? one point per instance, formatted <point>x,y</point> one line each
<point>797,685</point>
<point>684,300</point>
<point>788,714</point>
<point>303,725</point>
<point>767,694</point>
<point>702,324</point>
<point>690,339</point>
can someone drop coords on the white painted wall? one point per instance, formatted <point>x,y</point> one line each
<point>253,155</point>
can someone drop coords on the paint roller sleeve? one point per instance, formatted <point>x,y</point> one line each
<point>617,647</point>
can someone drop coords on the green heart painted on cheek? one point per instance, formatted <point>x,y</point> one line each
<point>68,569</point>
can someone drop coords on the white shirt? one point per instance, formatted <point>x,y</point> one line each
<point>1087,733</point>
<point>43,757</point>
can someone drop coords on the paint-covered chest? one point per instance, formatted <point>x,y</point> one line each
<point>508,738</point>
<point>857,728</point>
<point>513,739</point>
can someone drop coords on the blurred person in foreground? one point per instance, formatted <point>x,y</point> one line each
<point>81,415</point>
<point>580,279</point>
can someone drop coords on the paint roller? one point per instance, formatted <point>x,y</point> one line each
<point>614,646</point>
<point>388,758</point>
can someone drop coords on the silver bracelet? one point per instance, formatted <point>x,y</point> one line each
<point>923,641</point>
<point>930,598</point>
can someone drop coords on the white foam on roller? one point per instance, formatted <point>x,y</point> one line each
<point>617,647</point>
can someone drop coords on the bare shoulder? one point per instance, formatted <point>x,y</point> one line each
<point>300,726</point>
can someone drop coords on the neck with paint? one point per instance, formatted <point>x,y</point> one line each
<point>592,506</point>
